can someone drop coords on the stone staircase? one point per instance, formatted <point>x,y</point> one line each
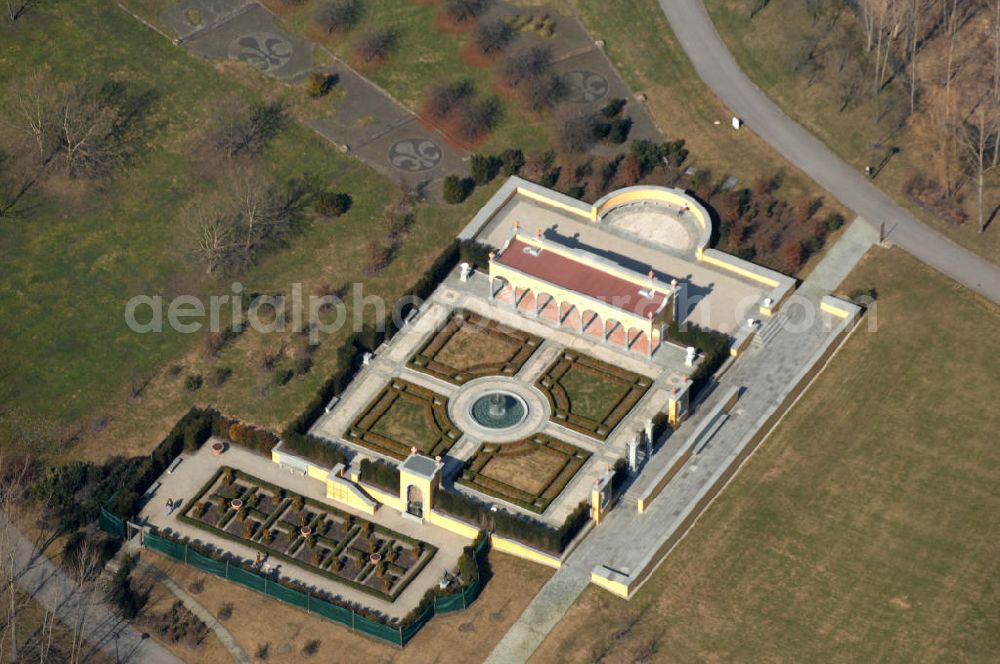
<point>769,330</point>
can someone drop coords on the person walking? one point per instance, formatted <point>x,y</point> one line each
<point>170,506</point>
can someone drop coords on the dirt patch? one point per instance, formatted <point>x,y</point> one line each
<point>446,25</point>
<point>468,636</point>
<point>472,56</point>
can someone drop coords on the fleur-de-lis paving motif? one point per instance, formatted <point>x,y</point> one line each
<point>263,50</point>
<point>415,154</point>
<point>586,86</point>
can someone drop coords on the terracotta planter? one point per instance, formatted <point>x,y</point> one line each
<point>305,531</point>
<point>375,558</point>
<point>237,504</point>
<point>218,449</point>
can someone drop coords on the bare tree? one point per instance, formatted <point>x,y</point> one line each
<point>975,135</point>
<point>494,37</point>
<point>444,98</point>
<point>212,233</point>
<point>339,16</point>
<point>33,103</point>
<point>245,131</point>
<point>17,8</point>
<point>251,214</point>
<point>377,44</point>
<point>85,571</point>
<point>14,480</point>
<point>465,11</point>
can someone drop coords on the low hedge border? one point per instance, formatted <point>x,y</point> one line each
<point>562,405</point>
<point>425,359</point>
<point>429,549</point>
<point>362,433</point>
<point>534,502</point>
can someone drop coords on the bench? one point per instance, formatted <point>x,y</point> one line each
<point>173,466</point>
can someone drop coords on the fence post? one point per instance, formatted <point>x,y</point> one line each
<point>185,553</point>
<point>352,620</point>
<point>227,568</point>
<point>308,603</point>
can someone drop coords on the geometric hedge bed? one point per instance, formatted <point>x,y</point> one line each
<point>469,346</point>
<point>530,473</point>
<point>336,545</point>
<point>588,395</point>
<point>402,416</point>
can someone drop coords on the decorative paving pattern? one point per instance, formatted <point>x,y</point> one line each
<point>264,50</point>
<point>460,405</point>
<point>585,86</point>
<point>415,154</point>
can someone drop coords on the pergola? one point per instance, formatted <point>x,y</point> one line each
<point>582,291</point>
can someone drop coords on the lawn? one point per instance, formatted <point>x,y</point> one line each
<point>69,268</point>
<point>766,50</point>
<point>530,473</point>
<point>282,631</point>
<point>403,416</point>
<point>470,346</point>
<point>588,395</point>
<point>864,528</point>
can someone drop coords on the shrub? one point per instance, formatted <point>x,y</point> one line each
<point>339,16</point>
<point>220,375</point>
<point>834,221</point>
<point>318,84</point>
<point>121,594</point>
<point>380,473</point>
<point>332,204</point>
<point>494,37</point>
<point>283,377</point>
<point>377,44</point>
<point>863,295</point>
<point>512,161</point>
<point>484,168</point>
<point>619,131</point>
<point>613,108</point>
<point>193,382</point>
<point>457,189</point>
<point>714,347</point>
<point>303,365</point>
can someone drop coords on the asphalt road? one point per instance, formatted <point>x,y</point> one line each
<point>56,591</point>
<point>717,67</point>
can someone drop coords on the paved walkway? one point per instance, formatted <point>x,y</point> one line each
<point>360,117</point>
<point>720,71</point>
<point>196,469</point>
<point>56,591</point>
<point>626,539</point>
<point>197,609</point>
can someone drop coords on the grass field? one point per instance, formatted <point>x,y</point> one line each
<point>69,269</point>
<point>863,529</point>
<point>463,637</point>
<point>529,473</point>
<point>589,395</point>
<point>404,416</point>
<point>765,48</point>
<point>469,346</point>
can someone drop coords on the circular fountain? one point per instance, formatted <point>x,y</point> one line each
<point>499,410</point>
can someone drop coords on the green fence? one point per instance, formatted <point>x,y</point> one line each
<point>112,524</point>
<point>398,636</point>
